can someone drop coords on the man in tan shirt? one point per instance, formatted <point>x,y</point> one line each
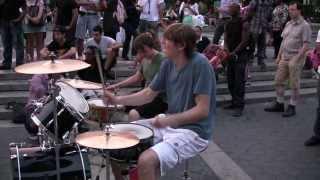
<point>296,39</point>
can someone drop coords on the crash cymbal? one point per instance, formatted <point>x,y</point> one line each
<point>99,140</point>
<point>48,67</point>
<point>80,84</point>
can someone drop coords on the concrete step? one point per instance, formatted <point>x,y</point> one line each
<point>13,96</point>
<point>122,70</point>
<point>14,85</point>
<point>266,76</point>
<point>11,75</point>
<point>123,65</point>
<point>258,97</point>
<point>262,86</point>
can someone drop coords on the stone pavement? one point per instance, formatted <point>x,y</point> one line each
<point>269,147</point>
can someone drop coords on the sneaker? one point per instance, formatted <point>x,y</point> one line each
<point>313,141</point>
<point>290,111</point>
<point>237,112</point>
<point>263,67</point>
<point>275,107</point>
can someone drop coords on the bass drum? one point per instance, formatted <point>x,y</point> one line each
<point>30,163</point>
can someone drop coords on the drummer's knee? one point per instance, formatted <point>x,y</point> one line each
<point>133,115</point>
<point>148,159</point>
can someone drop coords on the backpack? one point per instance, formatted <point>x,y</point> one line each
<point>19,113</point>
<point>120,13</point>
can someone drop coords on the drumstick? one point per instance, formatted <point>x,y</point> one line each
<point>100,69</point>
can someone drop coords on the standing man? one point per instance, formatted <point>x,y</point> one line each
<point>261,13</point>
<point>223,18</point>
<point>296,41</point>
<point>87,20</point>
<point>11,16</point>
<point>189,83</point>
<point>66,14</point>
<point>151,12</point>
<point>236,38</point>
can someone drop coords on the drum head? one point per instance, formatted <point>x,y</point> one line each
<point>142,132</point>
<point>73,97</point>
<point>98,103</point>
<point>95,102</point>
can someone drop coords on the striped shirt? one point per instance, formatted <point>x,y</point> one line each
<point>262,14</point>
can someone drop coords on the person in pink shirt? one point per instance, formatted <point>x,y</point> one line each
<point>314,54</point>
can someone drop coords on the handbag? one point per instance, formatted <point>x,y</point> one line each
<point>19,113</point>
<point>33,12</point>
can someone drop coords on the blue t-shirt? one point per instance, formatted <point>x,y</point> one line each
<point>181,86</point>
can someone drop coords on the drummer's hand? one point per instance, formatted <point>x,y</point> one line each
<point>162,121</point>
<point>109,98</point>
<point>111,87</point>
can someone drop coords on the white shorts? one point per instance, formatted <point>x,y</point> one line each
<point>172,146</point>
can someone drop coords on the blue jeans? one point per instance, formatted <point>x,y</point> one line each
<point>12,34</point>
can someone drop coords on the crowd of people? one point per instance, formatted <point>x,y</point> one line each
<point>178,69</point>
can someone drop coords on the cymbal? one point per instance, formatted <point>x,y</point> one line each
<point>99,140</point>
<point>81,84</point>
<point>47,67</point>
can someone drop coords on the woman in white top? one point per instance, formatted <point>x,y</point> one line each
<point>34,28</point>
<point>189,8</point>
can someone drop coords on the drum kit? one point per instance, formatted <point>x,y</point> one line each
<point>63,151</point>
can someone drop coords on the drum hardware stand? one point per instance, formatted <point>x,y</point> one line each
<point>185,175</point>
<point>107,154</point>
<point>54,92</point>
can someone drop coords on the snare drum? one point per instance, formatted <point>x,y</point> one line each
<point>131,155</point>
<point>71,110</point>
<point>33,164</point>
<point>99,111</point>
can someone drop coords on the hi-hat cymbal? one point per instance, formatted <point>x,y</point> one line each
<point>81,84</point>
<point>48,67</point>
<point>99,140</point>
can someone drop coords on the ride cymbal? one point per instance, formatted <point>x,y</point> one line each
<point>51,67</point>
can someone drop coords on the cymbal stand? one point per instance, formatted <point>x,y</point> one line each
<point>107,155</point>
<point>54,91</point>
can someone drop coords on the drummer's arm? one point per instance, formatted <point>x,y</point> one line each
<point>44,53</point>
<point>137,99</point>
<point>137,77</point>
<point>198,112</point>
<point>70,53</point>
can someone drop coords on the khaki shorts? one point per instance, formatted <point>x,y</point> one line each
<point>289,70</point>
